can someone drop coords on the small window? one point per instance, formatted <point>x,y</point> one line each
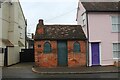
<point>84,22</point>
<point>39,45</point>
<point>76,47</point>
<point>116,50</point>
<point>115,23</point>
<point>47,47</point>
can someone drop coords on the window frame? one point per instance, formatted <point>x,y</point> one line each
<point>74,46</point>
<point>117,50</point>
<point>115,24</point>
<point>48,47</point>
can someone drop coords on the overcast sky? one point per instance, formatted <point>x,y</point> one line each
<point>51,11</point>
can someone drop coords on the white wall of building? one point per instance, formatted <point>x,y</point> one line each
<point>13,29</point>
<point>5,20</point>
<point>81,15</point>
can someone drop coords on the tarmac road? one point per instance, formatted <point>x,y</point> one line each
<point>25,71</point>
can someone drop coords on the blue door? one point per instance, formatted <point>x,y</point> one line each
<point>95,54</point>
<point>62,53</point>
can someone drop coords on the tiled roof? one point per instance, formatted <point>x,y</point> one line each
<point>61,32</point>
<point>102,6</point>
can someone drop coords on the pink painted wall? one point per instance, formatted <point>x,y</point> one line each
<point>100,29</point>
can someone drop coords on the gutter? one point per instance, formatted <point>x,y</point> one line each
<point>115,11</point>
<point>26,37</point>
<point>87,39</point>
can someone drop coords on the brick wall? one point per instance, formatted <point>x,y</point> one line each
<point>40,30</point>
<point>50,59</point>
<point>76,59</point>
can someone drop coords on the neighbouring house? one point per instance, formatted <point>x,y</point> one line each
<point>101,24</point>
<point>59,45</point>
<point>12,32</point>
<point>30,43</point>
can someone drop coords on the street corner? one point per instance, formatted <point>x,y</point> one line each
<point>34,70</point>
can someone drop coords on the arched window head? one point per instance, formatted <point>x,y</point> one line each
<point>47,47</point>
<point>76,47</point>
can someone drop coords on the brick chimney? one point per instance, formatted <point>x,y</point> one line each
<point>40,29</point>
<point>41,22</point>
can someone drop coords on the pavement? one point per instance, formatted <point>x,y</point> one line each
<point>80,70</point>
<point>27,71</point>
<point>0,72</point>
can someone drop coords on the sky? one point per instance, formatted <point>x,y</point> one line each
<point>51,11</point>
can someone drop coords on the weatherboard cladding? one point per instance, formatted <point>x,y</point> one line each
<point>60,32</point>
<point>102,6</point>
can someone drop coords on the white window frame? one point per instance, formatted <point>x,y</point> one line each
<point>118,50</point>
<point>115,23</point>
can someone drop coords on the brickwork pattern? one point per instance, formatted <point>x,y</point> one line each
<point>50,59</point>
<point>76,59</point>
<point>40,30</point>
<point>45,59</point>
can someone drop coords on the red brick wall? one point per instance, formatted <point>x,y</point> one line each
<point>48,59</point>
<point>40,30</point>
<point>76,59</point>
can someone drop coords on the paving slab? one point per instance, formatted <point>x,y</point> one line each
<point>80,70</point>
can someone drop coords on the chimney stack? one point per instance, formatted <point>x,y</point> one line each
<point>41,22</point>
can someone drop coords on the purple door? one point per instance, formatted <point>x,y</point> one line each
<point>95,53</point>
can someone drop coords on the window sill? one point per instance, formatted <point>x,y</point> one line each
<point>115,32</point>
<point>116,59</point>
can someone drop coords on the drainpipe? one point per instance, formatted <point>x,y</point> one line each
<point>87,38</point>
<point>26,34</point>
